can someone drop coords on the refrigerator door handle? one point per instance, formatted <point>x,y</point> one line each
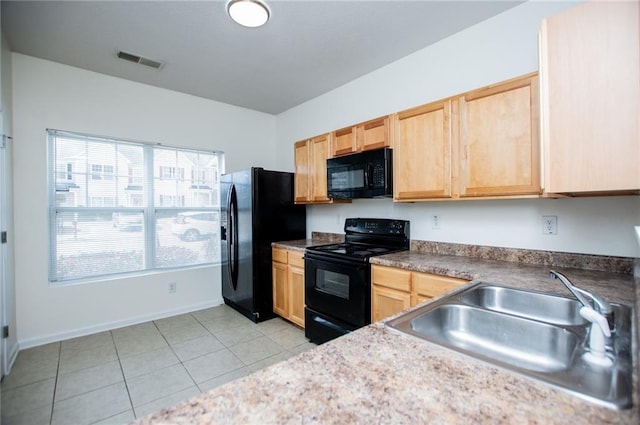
<point>232,246</point>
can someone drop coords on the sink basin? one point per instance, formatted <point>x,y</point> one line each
<point>524,343</point>
<point>533,305</point>
<point>537,335</point>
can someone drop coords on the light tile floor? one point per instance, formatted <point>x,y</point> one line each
<point>116,376</point>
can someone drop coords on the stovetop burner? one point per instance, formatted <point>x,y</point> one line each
<point>366,238</point>
<point>347,248</point>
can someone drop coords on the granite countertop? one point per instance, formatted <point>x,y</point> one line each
<point>298,245</point>
<point>614,287</point>
<point>379,375</point>
<point>316,239</point>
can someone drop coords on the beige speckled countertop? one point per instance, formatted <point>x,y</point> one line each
<point>378,375</point>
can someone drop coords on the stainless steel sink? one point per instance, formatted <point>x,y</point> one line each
<point>537,335</point>
<point>524,343</point>
<point>533,305</point>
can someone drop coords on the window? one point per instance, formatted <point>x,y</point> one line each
<point>171,173</point>
<point>171,201</point>
<point>102,201</point>
<point>64,172</point>
<point>135,175</point>
<point>120,207</point>
<point>96,172</point>
<point>101,171</point>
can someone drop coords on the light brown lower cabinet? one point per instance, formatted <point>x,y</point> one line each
<point>394,290</point>
<point>288,285</point>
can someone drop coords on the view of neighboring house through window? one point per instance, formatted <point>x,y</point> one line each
<point>120,207</point>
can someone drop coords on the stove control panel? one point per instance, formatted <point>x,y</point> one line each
<point>376,226</point>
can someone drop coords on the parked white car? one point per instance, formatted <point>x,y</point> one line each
<point>127,220</point>
<point>194,226</point>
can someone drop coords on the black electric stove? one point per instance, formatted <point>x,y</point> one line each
<point>352,250</point>
<point>338,276</point>
<point>366,237</point>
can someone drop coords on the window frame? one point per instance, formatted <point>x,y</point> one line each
<point>148,209</point>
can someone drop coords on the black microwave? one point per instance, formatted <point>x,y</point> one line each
<point>367,174</point>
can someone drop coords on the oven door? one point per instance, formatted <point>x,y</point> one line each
<point>339,289</point>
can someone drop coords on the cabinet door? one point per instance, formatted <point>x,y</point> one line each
<point>430,286</point>
<point>296,295</point>
<point>344,141</point>
<point>279,255</point>
<point>373,134</point>
<point>302,182</point>
<point>499,143</point>
<point>590,78</point>
<point>386,302</point>
<point>391,277</point>
<point>422,152</point>
<point>280,289</point>
<point>319,147</point>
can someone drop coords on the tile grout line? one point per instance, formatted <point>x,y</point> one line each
<point>216,338</point>
<point>269,333</point>
<point>174,352</point>
<point>124,378</point>
<point>55,385</point>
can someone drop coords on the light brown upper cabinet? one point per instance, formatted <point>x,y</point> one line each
<point>302,177</point>
<point>590,90</point>
<point>319,147</point>
<point>498,139</point>
<point>344,141</point>
<point>422,152</point>
<point>483,143</point>
<point>311,170</point>
<point>372,134</point>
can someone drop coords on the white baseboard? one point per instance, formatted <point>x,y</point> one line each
<point>35,342</point>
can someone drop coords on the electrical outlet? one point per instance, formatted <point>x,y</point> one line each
<point>435,221</point>
<point>172,287</point>
<point>549,225</point>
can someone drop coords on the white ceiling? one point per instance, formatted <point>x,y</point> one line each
<point>305,50</point>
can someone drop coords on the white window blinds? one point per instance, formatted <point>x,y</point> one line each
<point>121,207</point>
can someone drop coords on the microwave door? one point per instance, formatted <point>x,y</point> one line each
<point>343,182</point>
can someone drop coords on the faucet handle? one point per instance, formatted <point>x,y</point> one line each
<point>597,353</point>
<point>599,303</point>
<point>602,306</point>
<point>597,319</point>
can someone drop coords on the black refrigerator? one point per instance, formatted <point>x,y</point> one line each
<point>257,208</point>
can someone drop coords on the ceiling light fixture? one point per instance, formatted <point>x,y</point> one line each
<point>248,13</point>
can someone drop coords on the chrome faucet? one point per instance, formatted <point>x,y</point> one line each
<point>599,304</point>
<point>602,322</point>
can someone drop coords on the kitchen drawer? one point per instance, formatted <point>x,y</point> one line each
<point>432,285</point>
<point>279,255</point>
<point>391,278</point>
<point>295,259</point>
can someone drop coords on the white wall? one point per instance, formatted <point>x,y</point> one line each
<point>602,226</point>
<point>50,95</point>
<point>497,49</point>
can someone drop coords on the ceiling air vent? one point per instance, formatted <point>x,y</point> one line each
<point>139,59</point>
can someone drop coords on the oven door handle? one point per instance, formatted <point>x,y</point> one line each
<point>333,261</point>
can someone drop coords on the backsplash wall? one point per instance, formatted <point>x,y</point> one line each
<point>600,226</point>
